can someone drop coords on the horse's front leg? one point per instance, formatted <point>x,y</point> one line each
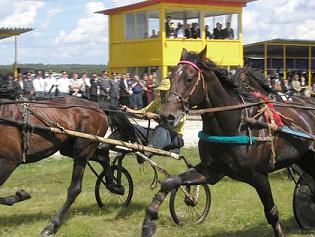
<point>196,175</point>
<point>262,186</point>
<point>6,169</point>
<point>73,191</point>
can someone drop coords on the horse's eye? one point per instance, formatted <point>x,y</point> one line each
<point>189,80</point>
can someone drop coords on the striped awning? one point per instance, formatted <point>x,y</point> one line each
<point>9,32</point>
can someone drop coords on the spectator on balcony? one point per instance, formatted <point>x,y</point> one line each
<point>228,31</point>
<point>173,31</point>
<point>180,31</point>
<point>207,33</point>
<point>168,27</point>
<point>195,31</point>
<point>188,33</point>
<point>154,34</point>
<point>218,33</point>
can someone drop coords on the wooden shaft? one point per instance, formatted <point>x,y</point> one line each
<point>114,142</point>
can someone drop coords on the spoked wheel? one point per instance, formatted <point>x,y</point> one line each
<point>304,202</point>
<point>120,195</point>
<point>193,209</point>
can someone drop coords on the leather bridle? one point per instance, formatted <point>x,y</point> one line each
<point>185,100</point>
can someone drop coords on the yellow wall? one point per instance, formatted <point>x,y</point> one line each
<point>136,53</point>
<point>223,52</point>
<point>166,52</point>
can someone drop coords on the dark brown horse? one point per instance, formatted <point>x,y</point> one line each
<point>69,112</point>
<point>197,81</point>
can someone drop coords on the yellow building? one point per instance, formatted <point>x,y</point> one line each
<point>286,56</point>
<point>149,36</point>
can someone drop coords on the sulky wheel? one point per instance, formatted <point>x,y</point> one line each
<point>121,195</point>
<point>304,202</point>
<point>192,210</point>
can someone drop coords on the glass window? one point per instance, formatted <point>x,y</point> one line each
<point>142,25</point>
<point>154,24</point>
<point>130,26</point>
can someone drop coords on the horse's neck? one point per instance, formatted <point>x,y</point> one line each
<point>223,122</point>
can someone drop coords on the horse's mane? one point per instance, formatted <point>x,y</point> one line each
<point>254,78</point>
<point>9,89</point>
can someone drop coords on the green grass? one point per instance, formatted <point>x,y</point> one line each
<point>235,209</point>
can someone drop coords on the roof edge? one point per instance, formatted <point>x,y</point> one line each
<point>138,5</point>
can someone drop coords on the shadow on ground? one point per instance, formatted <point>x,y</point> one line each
<point>263,230</point>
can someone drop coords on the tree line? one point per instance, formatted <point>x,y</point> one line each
<point>6,70</point>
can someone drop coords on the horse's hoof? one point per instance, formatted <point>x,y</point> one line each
<point>22,195</point>
<point>148,229</point>
<point>49,230</point>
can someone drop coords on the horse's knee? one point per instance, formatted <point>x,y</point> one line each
<point>151,213</point>
<point>171,183</point>
<point>74,192</point>
<point>272,215</point>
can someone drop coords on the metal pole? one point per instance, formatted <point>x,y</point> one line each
<point>310,70</point>
<point>15,57</point>
<point>284,62</point>
<point>265,60</point>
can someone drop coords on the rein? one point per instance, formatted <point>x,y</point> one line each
<point>184,101</point>
<point>224,108</point>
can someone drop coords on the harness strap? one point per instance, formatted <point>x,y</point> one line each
<point>25,135</point>
<point>224,108</point>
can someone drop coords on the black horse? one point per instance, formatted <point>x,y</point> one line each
<point>197,81</point>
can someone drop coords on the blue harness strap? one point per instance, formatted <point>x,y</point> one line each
<point>301,134</point>
<point>227,139</point>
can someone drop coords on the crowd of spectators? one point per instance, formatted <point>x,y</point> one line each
<point>192,31</point>
<point>295,84</point>
<point>116,89</point>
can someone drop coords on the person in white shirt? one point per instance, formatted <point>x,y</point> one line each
<point>63,84</point>
<point>86,85</point>
<point>76,85</point>
<point>180,32</point>
<point>50,85</point>
<point>39,85</point>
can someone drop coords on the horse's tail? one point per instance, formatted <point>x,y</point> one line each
<point>118,121</point>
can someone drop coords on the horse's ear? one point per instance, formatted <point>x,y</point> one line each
<point>203,53</point>
<point>183,54</point>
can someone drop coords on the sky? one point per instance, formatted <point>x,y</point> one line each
<point>69,32</point>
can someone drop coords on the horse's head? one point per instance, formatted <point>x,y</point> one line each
<point>187,86</point>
